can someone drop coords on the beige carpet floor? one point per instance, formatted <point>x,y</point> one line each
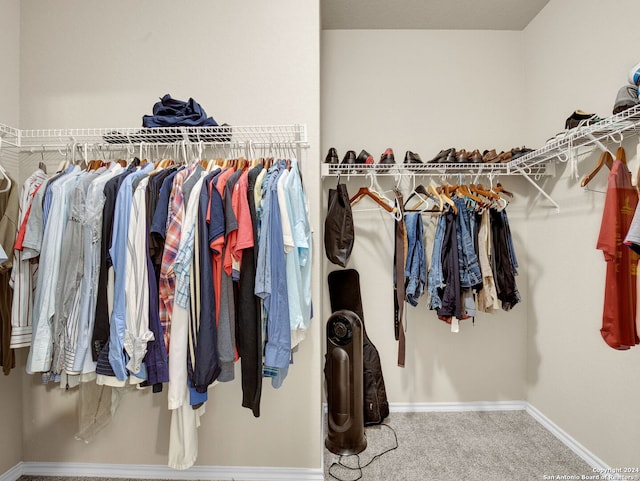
<point>469,446</point>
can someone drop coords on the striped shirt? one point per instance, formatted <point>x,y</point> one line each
<point>24,272</point>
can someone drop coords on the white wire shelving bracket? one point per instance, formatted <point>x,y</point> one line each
<point>292,136</point>
<point>532,166</point>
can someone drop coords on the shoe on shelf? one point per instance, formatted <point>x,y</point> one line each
<point>462,157</point>
<point>475,156</point>
<point>387,158</point>
<point>518,152</point>
<point>441,156</point>
<point>332,157</point>
<point>364,158</point>
<point>412,158</point>
<point>450,158</point>
<point>349,158</point>
<point>504,157</point>
<point>489,156</point>
<point>579,119</point>
<point>634,75</point>
<point>627,97</point>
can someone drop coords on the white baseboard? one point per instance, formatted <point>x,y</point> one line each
<point>137,471</point>
<point>151,471</point>
<point>13,474</point>
<point>590,458</point>
<point>458,406</point>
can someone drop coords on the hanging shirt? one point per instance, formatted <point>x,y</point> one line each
<point>100,334</point>
<point>207,364</point>
<point>92,223</point>
<point>9,207</point>
<point>137,333</point>
<point>24,272</point>
<point>41,352</point>
<point>118,254</point>
<point>226,319</point>
<point>179,346</point>
<point>450,293</point>
<point>166,289</point>
<point>620,297</point>
<point>68,290</point>
<point>487,296</point>
<point>302,238</point>
<point>244,235</point>
<point>503,268</point>
<point>278,348</point>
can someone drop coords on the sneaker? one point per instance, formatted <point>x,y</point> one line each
<point>634,75</point>
<point>627,97</point>
<point>579,119</point>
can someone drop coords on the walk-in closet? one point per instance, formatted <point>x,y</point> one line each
<point>291,79</point>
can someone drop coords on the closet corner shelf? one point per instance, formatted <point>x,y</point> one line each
<point>534,164</point>
<point>293,136</point>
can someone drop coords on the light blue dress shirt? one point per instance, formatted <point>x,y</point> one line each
<point>118,251</point>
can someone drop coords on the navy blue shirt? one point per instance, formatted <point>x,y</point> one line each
<point>207,363</point>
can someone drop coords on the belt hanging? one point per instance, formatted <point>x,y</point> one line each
<point>399,260</point>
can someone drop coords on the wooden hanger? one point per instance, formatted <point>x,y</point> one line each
<point>478,189</point>
<point>501,190</point>
<point>434,192</point>
<point>605,158</point>
<point>465,192</point>
<point>365,192</point>
<point>444,194</point>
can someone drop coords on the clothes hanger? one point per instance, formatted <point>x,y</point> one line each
<point>478,189</point>
<point>621,155</point>
<point>501,190</point>
<point>466,192</point>
<point>434,192</point>
<point>605,158</point>
<point>4,174</point>
<point>365,192</point>
<point>445,195</point>
<point>424,196</point>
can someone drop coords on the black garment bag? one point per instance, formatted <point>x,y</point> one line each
<point>339,231</point>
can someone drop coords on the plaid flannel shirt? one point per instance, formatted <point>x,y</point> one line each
<point>167,284</point>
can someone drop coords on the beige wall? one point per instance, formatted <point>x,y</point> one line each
<point>425,91</point>
<point>91,64</point>
<point>574,378</point>
<point>249,62</point>
<point>10,390</point>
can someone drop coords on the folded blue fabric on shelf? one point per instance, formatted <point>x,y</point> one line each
<point>170,112</point>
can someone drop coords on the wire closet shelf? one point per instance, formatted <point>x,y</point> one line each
<point>260,136</point>
<point>535,164</point>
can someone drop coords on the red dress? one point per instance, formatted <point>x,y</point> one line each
<point>620,295</point>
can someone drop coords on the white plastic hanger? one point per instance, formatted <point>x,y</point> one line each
<point>4,174</point>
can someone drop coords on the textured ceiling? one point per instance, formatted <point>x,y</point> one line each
<point>430,14</point>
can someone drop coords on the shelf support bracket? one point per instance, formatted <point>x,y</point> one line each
<point>540,189</point>
<point>599,144</point>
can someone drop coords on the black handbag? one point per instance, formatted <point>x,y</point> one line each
<point>338,226</point>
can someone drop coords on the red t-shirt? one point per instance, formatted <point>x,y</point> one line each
<point>620,295</point>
